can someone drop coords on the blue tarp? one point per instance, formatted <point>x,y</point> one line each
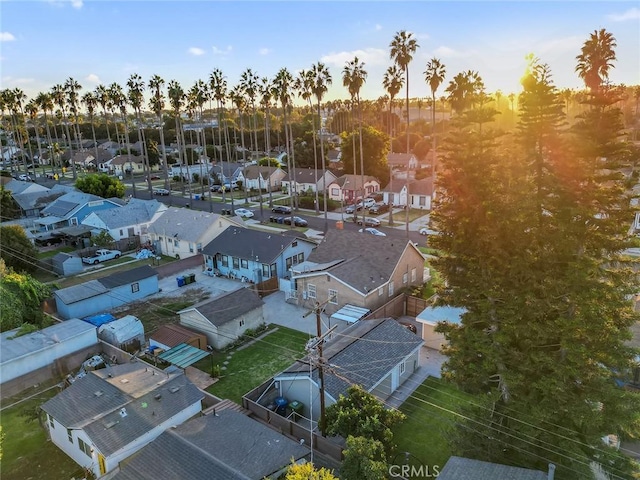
<point>99,319</point>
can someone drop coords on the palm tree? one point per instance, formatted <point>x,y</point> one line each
<point>136,97</point>
<point>44,101</point>
<point>218,84</point>
<point>18,103</point>
<point>403,46</point>
<point>434,76</point>
<point>237,99</point>
<point>596,59</point>
<point>32,110</point>
<point>177,100</point>
<point>392,83</point>
<point>283,84</point>
<point>266,94</point>
<point>353,77</point>
<point>249,85</point>
<point>304,85</point>
<point>102,95</point>
<point>59,98</point>
<point>512,99</point>
<point>199,94</point>
<point>320,85</point>
<point>72,88</point>
<point>156,103</point>
<point>90,101</point>
<point>464,90</point>
<point>119,101</point>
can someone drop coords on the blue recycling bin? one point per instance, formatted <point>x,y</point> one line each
<point>180,281</point>
<point>196,197</point>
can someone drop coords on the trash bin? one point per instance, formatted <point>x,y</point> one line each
<point>339,224</point>
<point>196,196</point>
<point>192,278</point>
<point>281,405</point>
<point>187,279</point>
<point>296,407</point>
<point>180,281</point>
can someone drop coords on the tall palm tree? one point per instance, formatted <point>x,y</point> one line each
<point>283,84</point>
<point>135,96</point>
<point>156,103</point>
<point>249,85</point>
<point>59,98</point>
<point>304,85</point>
<point>72,88</point>
<point>463,90</point>
<point>18,102</point>
<point>353,77</point>
<point>44,102</point>
<point>434,76</point>
<point>596,59</point>
<point>320,86</point>
<point>90,101</point>
<point>177,99</point>
<point>102,95</point>
<point>392,83</point>
<point>198,95</point>
<point>266,94</point>
<point>239,101</point>
<point>119,102</point>
<point>403,46</point>
<point>32,110</point>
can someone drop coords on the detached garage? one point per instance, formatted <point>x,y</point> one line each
<point>431,316</point>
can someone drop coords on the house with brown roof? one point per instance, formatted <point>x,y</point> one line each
<point>417,194</point>
<point>308,180</point>
<point>357,269</point>
<point>402,161</point>
<point>349,188</point>
<point>262,177</point>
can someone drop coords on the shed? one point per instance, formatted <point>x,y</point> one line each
<point>168,336</point>
<point>347,315</point>
<point>27,353</point>
<point>126,333</point>
<point>431,316</point>
<point>65,264</point>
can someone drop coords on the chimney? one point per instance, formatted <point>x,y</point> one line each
<point>552,471</point>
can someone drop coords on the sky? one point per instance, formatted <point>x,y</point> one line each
<point>44,42</point>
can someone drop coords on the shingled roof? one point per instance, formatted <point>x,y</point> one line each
<point>459,468</point>
<point>228,306</point>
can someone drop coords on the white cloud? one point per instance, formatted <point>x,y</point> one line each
<point>264,51</point>
<point>61,3</point>
<point>219,51</point>
<point>422,36</point>
<point>11,82</point>
<point>370,56</point>
<point>92,78</point>
<point>378,27</point>
<point>448,52</point>
<point>76,3</point>
<point>631,14</point>
<point>6,37</point>
<point>196,51</point>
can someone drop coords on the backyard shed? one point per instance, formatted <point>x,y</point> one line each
<point>168,336</point>
<point>431,316</point>
<point>126,333</point>
<point>65,264</point>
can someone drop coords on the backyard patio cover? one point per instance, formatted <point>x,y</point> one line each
<point>183,355</point>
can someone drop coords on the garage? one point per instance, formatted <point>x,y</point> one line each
<point>431,316</point>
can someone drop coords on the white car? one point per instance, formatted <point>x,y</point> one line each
<point>243,212</point>
<point>373,231</point>
<point>25,178</point>
<point>426,231</point>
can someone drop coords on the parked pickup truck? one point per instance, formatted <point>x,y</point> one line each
<point>102,255</point>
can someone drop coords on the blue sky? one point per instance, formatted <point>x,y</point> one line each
<point>103,41</point>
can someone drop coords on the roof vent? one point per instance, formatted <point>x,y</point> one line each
<point>110,424</point>
<point>124,380</point>
<point>174,389</point>
<point>158,396</point>
<point>123,412</point>
<point>98,393</point>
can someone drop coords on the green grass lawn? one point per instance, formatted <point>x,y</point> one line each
<point>423,433</point>
<point>250,366</point>
<point>51,253</point>
<point>27,452</point>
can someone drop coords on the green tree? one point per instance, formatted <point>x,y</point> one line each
<point>360,414</point>
<point>16,249</point>
<point>596,59</point>
<point>307,471</point>
<point>364,459</point>
<point>102,239</point>
<point>21,298</point>
<point>102,185</point>
<point>8,207</point>
<point>421,149</point>
<point>375,147</point>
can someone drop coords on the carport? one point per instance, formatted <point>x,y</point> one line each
<point>183,355</point>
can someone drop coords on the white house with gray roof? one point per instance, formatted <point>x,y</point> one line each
<point>182,232</point>
<point>72,208</point>
<point>108,415</point>
<point>129,220</point>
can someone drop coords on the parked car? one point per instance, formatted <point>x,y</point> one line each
<point>379,208</point>
<point>227,187</point>
<point>154,177</point>
<point>243,212</point>
<point>161,191</point>
<point>353,208</point>
<point>369,222</point>
<point>281,209</point>
<point>367,203</point>
<point>297,221</point>
<point>25,178</point>
<point>373,231</point>
<point>102,255</point>
<point>426,231</point>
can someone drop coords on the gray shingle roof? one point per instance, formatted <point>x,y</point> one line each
<point>188,225</point>
<point>364,354</point>
<point>368,262</point>
<point>228,306</point>
<point>228,445</point>
<point>305,175</point>
<point>458,468</point>
<point>250,244</point>
<point>76,293</point>
<point>72,198</point>
<point>135,212</point>
<point>123,278</point>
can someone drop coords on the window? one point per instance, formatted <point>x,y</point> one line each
<point>422,201</point>
<point>274,270</point>
<point>405,278</point>
<point>199,247</point>
<point>265,270</point>
<point>294,244</point>
<point>244,263</point>
<point>121,232</point>
<point>70,435</point>
<point>160,239</point>
<point>289,263</point>
<point>311,291</point>
<point>135,287</point>
<point>300,257</point>
<point>51,424</point>
<point>176,243</point>
<point>380,291</point>
<point>403,367</point>
<point>190,247</point>
<point>391,288</point>
<point>413,274</point>
<point>225,261</point>
<point>86,448</point>
<point>335,192</point>
<point>236,262</point>
<point>333,296</point>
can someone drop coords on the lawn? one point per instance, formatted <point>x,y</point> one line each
<point>250,366</point>
<point>51,253</point>
<point>423,433</point>
<point>27,452</point>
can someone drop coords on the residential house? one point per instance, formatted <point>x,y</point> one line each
<point>226,445</point>
<point>129,220</point>
<point>363,354</point>
<point>106,293</point>
<point>228,172</point>
<point>334,156</point>
<point>255,255</point>
<point>18,187</point>
<point>357,269</point>
<point>72,208</point>
<point>459,468</point>
<point>260,177</point>
<point>87,160</point>
<point>308,180</point>
<point>190,172</point>
<point>416,193</point>
<point>28,195</point>
<point>182,232</point>
<point>110,147</point>
<point>402,161</point>
<point>430,317</point>
<point>125,164</point>
<point>108,415</point>
<point>349,188</point>
<point>224,318</point>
